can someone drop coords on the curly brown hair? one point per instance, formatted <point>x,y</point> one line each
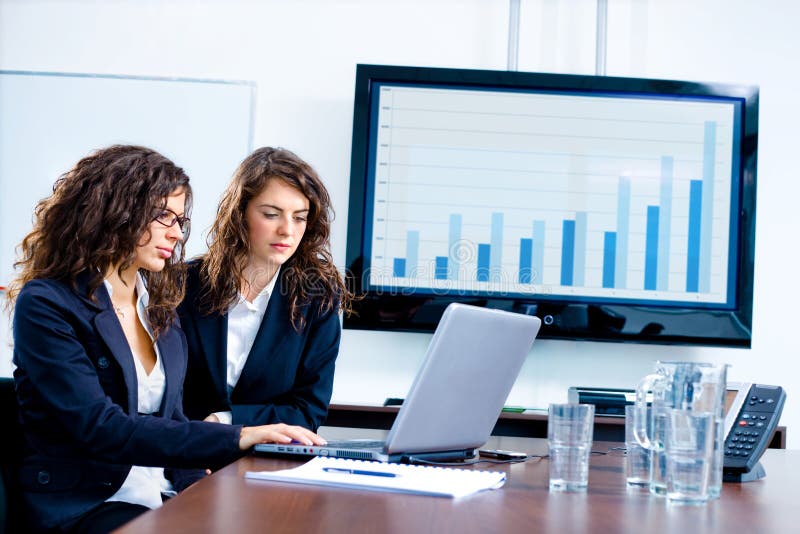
<point>97,215</point>
<point>309,275</point>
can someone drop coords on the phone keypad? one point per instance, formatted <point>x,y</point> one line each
<point>748,428</point>
<point>741,442</point>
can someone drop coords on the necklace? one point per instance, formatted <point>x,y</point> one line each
<point>119,310</point>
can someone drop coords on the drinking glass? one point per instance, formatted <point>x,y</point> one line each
<point>569,438</point>
<point>637,458</point>
<point>689,448</point>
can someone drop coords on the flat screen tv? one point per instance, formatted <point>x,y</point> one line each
<point>616,209</point>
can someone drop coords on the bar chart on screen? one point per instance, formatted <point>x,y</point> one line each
<point>518,193</point>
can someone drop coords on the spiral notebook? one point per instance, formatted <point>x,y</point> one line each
<point>380,476</point>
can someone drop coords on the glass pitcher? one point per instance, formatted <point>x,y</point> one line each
<point>691,386</point>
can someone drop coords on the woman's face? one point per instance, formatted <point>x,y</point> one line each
<point>276,221</point>
<point>158,243</point>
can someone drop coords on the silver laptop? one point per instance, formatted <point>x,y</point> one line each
<point>472,362</point>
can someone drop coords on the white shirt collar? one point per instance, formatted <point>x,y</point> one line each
<point>141,289</point>
<point>142,299</point>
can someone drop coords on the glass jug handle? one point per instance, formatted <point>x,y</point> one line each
<point>640,411</point>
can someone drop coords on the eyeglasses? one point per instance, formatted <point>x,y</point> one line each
<point>167,217</point>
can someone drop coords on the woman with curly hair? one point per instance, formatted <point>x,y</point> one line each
<point>99,360</point>
<point>261,312</point>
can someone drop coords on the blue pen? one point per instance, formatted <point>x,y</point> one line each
<point>357,472</point>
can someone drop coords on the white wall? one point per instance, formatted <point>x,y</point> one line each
<point>303,53</point>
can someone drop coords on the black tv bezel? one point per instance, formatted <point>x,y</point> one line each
<point>563,318</point>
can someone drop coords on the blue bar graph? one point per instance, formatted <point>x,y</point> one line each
<point>453,247</point>
<point>484,251</point>
<point>412,253</point>
<point>399,268</point>
<point>582,261</point>
<point>525,260</point>
<point>623,230</point>
<point>609,257</point>
<point>609,265</point>
<point>441,268</point>
<point>496,258</point>
<point>664,219</point>
<point>693,252</point>
<point>567,251</point>
<point>651,249</point>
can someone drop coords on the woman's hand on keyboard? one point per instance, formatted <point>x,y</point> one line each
<point>279,433</point>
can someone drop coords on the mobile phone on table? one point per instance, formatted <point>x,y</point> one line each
<point>498,454</point>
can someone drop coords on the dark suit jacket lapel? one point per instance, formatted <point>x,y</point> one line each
<point>213,331</point>
<point>171,352</point>
<point>110,330</point>
<point>268,339</point>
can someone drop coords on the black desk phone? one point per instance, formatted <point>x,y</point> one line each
<point>752,412</point>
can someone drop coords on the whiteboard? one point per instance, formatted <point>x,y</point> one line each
<point>48,121</point>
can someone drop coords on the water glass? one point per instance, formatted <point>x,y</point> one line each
<point>569,438</point>
<point>637,458</point>
<point>689,448</point>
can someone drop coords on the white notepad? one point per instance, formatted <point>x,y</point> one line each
<point>403,478</point>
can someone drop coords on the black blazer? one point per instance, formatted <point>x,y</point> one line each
<point>288,377</point>
<point>77,390</point>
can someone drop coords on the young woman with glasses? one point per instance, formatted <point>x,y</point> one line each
<point>99,360</point>
<point>261,312</point>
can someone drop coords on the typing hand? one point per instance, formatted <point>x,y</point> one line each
<point>280,433</point>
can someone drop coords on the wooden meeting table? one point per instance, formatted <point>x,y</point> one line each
<point>227,503</point>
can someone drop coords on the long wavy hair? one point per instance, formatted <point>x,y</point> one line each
<point>309,275</point>
<point>98,213</point>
